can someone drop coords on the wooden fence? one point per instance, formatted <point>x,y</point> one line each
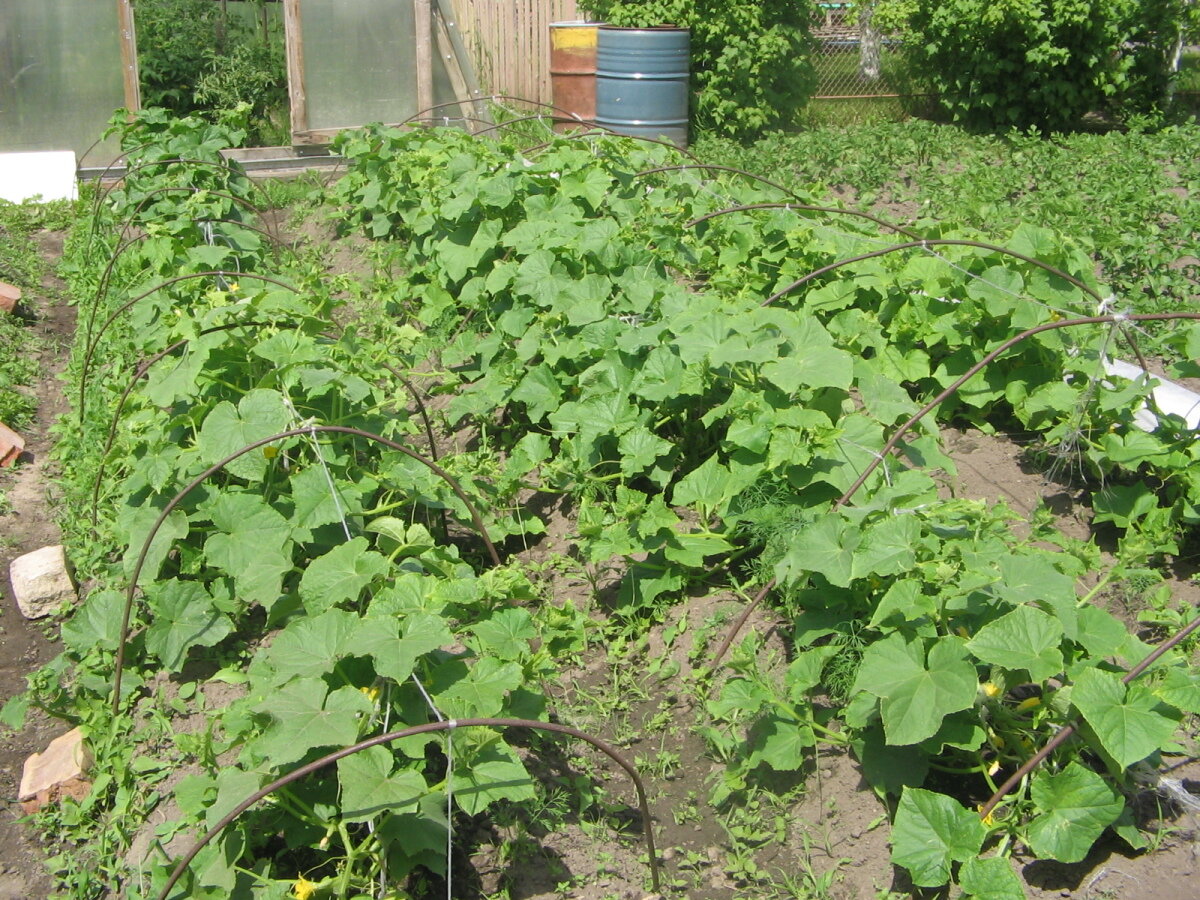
<point>509,42</point>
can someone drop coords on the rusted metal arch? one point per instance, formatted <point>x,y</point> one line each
<point>430,727</point>
<point>94,340</point>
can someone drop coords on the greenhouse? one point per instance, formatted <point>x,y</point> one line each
<point>67,66</point>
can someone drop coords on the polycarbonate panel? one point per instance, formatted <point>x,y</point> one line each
<point>359,61</point>
<point>60,75</point>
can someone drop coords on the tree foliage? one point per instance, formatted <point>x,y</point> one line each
<point>751,66</point>
<point>994,64</point>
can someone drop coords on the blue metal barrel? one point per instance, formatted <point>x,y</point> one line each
<point>642,81</point>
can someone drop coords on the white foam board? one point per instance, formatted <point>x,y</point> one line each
<point>1170,397</point>
<point>49,174</point>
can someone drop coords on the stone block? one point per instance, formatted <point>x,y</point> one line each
<point>41,582</point>
<point>59,771</point>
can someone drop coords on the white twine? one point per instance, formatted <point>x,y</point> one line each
<point>450,726</point>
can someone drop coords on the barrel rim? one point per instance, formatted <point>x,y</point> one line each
<point>651,28</point>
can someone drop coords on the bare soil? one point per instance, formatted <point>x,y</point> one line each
<point>28,525</point>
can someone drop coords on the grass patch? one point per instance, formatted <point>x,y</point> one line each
<point>21,264</point>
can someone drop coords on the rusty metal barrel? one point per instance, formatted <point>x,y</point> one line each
<point>573,71</point>
<point>642,81</point>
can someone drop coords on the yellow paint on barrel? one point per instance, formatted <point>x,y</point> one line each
<point>565,36</point>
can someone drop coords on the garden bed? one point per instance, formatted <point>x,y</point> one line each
<point>524,453</point>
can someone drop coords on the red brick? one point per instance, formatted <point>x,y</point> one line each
<point>11,445</point>
<point>10,295</point>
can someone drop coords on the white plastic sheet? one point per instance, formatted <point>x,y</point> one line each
<point>60,76</point>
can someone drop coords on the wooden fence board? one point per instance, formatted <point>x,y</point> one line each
<point>510,44</point>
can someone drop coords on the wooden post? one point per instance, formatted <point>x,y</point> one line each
<point>423,14</point>
<point>129,63</point>
<point>294,43</point>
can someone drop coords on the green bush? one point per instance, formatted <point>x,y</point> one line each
<point>751,62</point>
<point>994,64</point>
<point>248,89</point>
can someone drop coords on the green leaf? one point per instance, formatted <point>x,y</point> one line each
<point>506,634</point>
<point>660,377</point>
<point>253,545</point>
<point>370,786</point>
<point>591,183</point>
<point>905,601</point>
<point>543,279</point>
<point>693,549</point>
<point>311,646</point>
<point>707,486</point>
<point>1134,448</point>
<point>396,645</point>
<point>885,399</point>
<point>401,540</point>
<point>1123,504</point>
<point>805,670</point>
<point>226,429</point>
<point>1075,805</point>
<point>739,698</point>
<point>134,523</point>
<point>170,381</point>
<point>1025,638</point>
<point>481,692</point>
<point>208,256</point>
<point>997,285</point>
<point>780,742</point>
<point>828,547</point>
<point>195,792</point>
<point>306,715</point>
<point>340,575</point>
<point>890,769</point>
<point>539,390</point>
<point>97,623</point>
<point>812,367</point>
<point>493,772</point>
<point>990,879</point>
<point>916,694</point>
<point>1126,829</point>
<point>314,502</point>
<point>466,247</point>
<point>1030,579</point>
<point>1101,633</point>
<point>1179,687</point>
<point>640,449</point>
<point>888,548</point>
<point>232,787</point>
<point>1129,721</point>
<point>184,617</point>
<point>930,832</point>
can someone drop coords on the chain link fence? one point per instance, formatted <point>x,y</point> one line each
<point>860,73</point>
<point>854,62</point>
